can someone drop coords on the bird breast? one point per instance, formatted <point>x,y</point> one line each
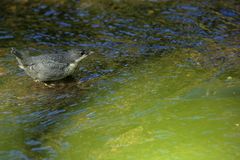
<point>71,68</point>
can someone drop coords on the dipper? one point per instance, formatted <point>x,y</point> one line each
<point>50,67</point>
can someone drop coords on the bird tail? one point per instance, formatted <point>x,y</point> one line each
<point>16,53</point>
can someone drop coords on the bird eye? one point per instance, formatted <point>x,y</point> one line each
<point>83,52</point>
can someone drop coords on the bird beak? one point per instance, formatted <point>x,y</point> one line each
<point>91,52</point>
<point>13,50</point>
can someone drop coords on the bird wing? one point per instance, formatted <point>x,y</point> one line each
<point>48,70</point>
<point>49,65</point>
<point>47,58</point>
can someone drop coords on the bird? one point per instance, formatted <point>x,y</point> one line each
<point>50,67</point>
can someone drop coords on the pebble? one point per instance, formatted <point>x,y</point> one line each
<point>229,78</point>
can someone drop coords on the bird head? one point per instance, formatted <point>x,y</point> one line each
<point>76,54</point>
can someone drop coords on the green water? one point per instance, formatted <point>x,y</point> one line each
<point>156,111</point>
<point>163,84</point>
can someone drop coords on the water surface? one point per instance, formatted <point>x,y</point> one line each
<point>163,82</point>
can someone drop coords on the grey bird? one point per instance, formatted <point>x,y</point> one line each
<point>50,67</point>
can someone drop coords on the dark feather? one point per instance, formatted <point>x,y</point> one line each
<point>16,53</point>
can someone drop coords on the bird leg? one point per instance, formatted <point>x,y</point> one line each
<point>49,85</point>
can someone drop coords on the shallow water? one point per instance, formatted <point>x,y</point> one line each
<point>164,82</point>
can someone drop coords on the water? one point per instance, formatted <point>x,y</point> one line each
<point>163,82</point>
